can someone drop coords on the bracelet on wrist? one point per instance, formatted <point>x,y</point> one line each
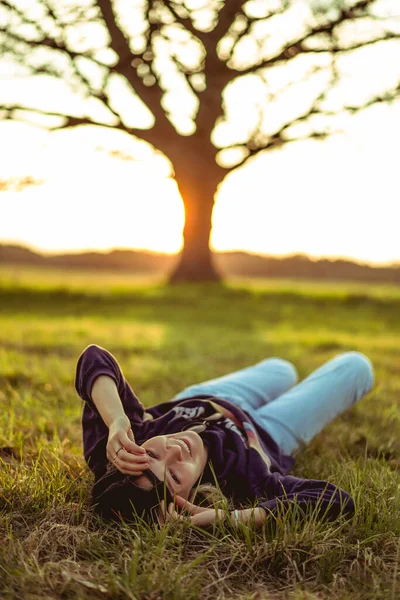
<point>234,520</point>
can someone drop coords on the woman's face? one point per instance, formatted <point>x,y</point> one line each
<point>179,457</point>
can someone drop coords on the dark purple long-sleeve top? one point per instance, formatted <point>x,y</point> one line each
<point>248,465</point>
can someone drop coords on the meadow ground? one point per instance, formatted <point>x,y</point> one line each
<point>52,546</point>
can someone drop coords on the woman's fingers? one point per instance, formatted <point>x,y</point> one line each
<point>168,514</point>
<point>201,519</point>
<point>127,442</point>
<point>173,515</point>
<point>129,464</point>
<point>131,459</point>
<point>188,506</point>
<point>118,448</point>
<point>181,502</point>
<point>172,511</point>
<point>125,454</point>
<point>119,453</point>
<point>163,514</point>
<point>135,471</point>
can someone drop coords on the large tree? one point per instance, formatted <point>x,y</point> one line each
<point>189,63</point>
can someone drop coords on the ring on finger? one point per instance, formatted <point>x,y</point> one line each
<point>116,455</point>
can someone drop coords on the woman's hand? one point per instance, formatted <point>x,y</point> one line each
<point>122,451</point>
<point>197,515</point>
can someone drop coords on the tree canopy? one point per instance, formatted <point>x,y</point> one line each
<point>209,83</point>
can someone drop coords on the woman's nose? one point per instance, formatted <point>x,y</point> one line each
<point>175,450</point>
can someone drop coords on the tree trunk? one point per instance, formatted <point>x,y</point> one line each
<point>197,187</point>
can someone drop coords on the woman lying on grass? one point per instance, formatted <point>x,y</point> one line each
<point>238,431</point>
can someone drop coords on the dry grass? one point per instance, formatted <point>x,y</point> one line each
<point>52,546</point>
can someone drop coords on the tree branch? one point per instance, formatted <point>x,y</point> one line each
<point>249,26</point>
<point>151,96</point>
<point>226,17</point>
<point>278,139</point>
<point>342,49</point>
<point>186,23</point>
<point>52,45</point>
<point>215,69</point>
<point>185,75</point>
<point>73,121</point>
<point>18,12</point>
<point>298,46</point>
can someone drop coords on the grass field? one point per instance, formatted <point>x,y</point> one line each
<point>51,546</point>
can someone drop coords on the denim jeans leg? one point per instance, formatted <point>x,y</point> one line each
<point>298,415</point>
<point>249,388</point>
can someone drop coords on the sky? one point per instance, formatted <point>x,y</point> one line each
<point>333,198</point>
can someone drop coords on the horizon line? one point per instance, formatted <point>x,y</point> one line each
<point>80,251</point>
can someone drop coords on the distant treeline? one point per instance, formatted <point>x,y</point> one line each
<point>229,263</point>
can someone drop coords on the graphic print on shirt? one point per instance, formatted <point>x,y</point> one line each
<point>215,418</point>
<point>188,413</point>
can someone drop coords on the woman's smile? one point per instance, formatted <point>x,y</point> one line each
<point>184,443</point>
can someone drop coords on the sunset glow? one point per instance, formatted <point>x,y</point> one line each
<point>337,198</point>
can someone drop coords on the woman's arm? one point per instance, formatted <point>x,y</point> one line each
<point>323,498</point>
<point>281,492</point>
<point>105,396</point>
<point>100,382</point>
<point>128,457</point>
<point>326,499</point>
<point>204,517</point>
<point>96,361</point>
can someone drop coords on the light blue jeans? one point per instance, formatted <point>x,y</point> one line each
<point>292,413</point>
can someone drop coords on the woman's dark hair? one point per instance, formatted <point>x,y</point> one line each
<point>116,496</point>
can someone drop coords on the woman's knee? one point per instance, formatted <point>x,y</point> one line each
<point>360,364</point>
<point>282,366</point>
